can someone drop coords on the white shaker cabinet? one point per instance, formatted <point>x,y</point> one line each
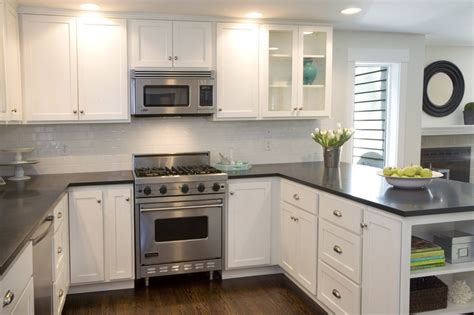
<point>49,68</point>
<point>10,71</point>
<point>249,224</point>
<point>101,233</point>
<point>170,44</point>
<point>299,245</point>
<point>237,68</point>
<point>102,69</point>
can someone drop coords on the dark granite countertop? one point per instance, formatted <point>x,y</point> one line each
<point>24,205</point>
<point>362,184</point>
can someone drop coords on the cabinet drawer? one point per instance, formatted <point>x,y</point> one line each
<point>60,290</point>
<point>60,247</point>
<point>341,212</point>
<point>337,292</point>
<point>340,249</point>
<point>300,196</point>
<point>16,278</point>
<point>60,212</point>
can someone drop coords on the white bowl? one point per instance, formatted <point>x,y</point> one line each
<point>410,182</point>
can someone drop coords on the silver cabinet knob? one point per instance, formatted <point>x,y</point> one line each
<point>220,109</point>
<point>337,213</point>
<point>336,293</point>
<point>295,108</point>
<point>296,197</point>
<point>81,111</point>
<point>14,110</point>
<point>61,293</point>
<point>175,57</point>
<point>170,58</point>
<point>8,298</point>
<point>363,225</point>
<point>99,201</point>
<point>60,250</point>
<point>301,108</point>
<point>127,199</point>
<point>231,193</point>
<point>75,111</point>
<point>60,215</point>
<point>337,249</point>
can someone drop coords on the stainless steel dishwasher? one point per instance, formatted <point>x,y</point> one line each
<point>43,267</point>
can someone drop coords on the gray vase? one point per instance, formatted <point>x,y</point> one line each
<point>332,157</point>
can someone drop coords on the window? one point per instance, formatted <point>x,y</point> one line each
<point>371,101</point>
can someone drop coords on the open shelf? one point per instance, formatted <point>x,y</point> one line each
<point>453,309</point>
<point>314,56</point>
<point>280,56</point>
<point>313,86</point>
<point>447,269</point>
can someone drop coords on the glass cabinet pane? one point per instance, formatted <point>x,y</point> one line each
<point>280,70</point>
<point>314,70</point>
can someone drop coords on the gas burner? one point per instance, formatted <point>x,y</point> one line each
<point>176,171</point>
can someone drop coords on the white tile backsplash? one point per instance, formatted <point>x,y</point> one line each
<point>105,147</point>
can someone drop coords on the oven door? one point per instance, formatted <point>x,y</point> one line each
<point>165,96</point>
<point>180,231</point>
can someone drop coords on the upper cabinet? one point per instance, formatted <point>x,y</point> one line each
<point>295,71</point>
<point>237,71</point>
<point>74,69</point>
<point>10,74</point>
<point>168,44</point>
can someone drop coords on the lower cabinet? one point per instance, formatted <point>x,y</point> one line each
<point>248,222</point>
<point>60,255</point>
<point>299,245</point>
<point>101,234</point>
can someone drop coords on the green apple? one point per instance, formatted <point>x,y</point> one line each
<point>409,171</point>
<point>426,172</point>
<point>418,169</point>
<point>395,175</point>
<point>388,171</point>
<point>400,172</point>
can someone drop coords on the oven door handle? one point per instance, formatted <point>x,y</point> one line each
<point>181,208</point>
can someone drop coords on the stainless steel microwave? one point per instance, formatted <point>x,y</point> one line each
<point>159,93</point>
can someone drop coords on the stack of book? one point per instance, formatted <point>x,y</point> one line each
<point>425,254</point>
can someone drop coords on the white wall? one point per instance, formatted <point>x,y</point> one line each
<point>411,105</point>
<point>463,58</point>
<point>92,147</point>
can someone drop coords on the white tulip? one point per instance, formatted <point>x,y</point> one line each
<point>338,125</point>
<point>316,130</point>
<point>339,132</point>
<point>351,130</point>
<point>324,132</point>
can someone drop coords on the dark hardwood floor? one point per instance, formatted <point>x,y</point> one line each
<point>195,294</point>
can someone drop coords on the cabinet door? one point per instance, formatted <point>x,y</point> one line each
<point>289,238</point>
<point>278,70</point>
<point>249,224</point>
<point>315,71</point>
<point>12,65</point>
<point>192,44</point>
<point>151,44</point>
<point>306,249</point>
<point>119,233</point>
<point>102,52</point>
<point>25,305</point>
<point>49,67</point>
<point>4,110</point>
<point>381,253</point>
<point>237,68</point>
<point>86,236</point>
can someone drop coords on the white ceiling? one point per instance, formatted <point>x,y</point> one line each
<point>443,21</point>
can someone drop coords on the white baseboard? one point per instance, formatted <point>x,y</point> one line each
<point>250,272</point>
<point>97,287</point>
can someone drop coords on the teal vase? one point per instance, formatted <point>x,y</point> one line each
<point>309,72</point>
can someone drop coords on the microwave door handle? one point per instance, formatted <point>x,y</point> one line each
<point>183,207</point>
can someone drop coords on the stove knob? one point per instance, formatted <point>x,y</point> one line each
<point>147,190</point>
<point>216,187</point>
<point>163,189</point>
<point>201,187</point>
<point>184,188</point>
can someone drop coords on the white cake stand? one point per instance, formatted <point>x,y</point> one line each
<point>19,163</point>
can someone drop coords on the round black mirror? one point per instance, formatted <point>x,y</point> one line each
<point>443,88</point>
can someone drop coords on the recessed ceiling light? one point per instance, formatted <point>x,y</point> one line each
<point>254,15</point>
<point>90,7</point>
<point>308,33</point>
<point>350,11</point>
<point>273,48</point>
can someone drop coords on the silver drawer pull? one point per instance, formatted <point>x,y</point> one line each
<point>337,249</point>
<point>60,215</point>
<point>336,293</point>
<point>296,197</point>
<point>60,250</point>
<point>337,213</point>
<point>61,293</point>
<point>8,298</point>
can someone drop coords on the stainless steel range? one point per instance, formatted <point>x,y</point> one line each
<point>179,206</point>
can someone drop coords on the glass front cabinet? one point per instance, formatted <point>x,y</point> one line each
<point>295,73</point>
